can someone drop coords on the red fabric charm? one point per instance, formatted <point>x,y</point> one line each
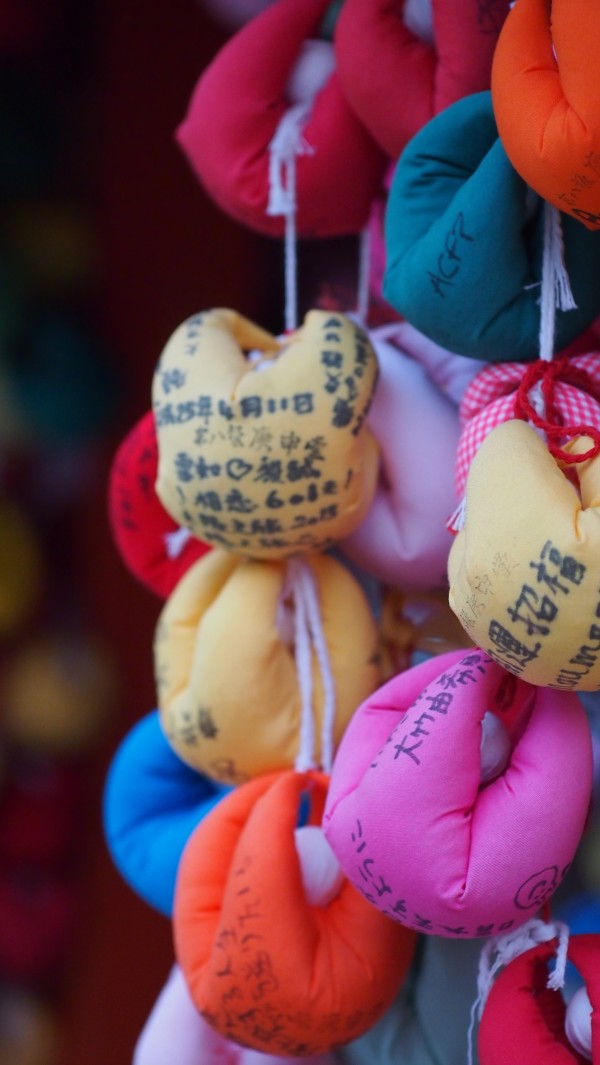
<point>140,524</point>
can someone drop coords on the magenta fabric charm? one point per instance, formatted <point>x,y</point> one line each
<point>417,831</point>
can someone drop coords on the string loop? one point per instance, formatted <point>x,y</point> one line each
<point>545,375</point>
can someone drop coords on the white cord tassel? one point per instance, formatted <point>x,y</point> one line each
<point>458,518</point>
<point>507,948</point>
<point>556,288</point>
<point>364,268</point>
<point>556,292</point>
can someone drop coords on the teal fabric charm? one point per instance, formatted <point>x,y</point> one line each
<point>464,243</point>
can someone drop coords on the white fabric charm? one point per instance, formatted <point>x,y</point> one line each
<point>322,874</point>
<point>578,1023</point>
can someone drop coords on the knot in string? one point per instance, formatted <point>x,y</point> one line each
<point>545,376</point>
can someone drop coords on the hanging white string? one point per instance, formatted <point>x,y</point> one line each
<point>556,294</point>
<point>288,143</point>
<point>507,948</point>
<point>308,634</point>
<point>303,655</point>
<point>364,269</point>
<point>315,621</point>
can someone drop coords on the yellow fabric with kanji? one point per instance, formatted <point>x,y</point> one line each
<point>228,690</point>
<point>266,455</point>
<point>525,569</point>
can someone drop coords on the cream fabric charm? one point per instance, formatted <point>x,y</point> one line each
<point>524,571</point>
<point>267,456</point>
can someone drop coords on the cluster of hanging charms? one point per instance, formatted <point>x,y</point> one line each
<point>358,794</point>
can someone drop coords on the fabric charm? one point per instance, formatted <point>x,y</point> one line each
<point>417,831</point>
<point>395,79</point>
<point>539,1020</point>
<point>252,948</point>
<point>403,539</point>
<point>268,456</point>
<point>153,802</point>
<point>465,240</point>
<point>175,1017</point>
<point>237,108</point>
<point>150,542</point>
<point>229,691</point>
<point>546,102</point>
<point>523,570</point>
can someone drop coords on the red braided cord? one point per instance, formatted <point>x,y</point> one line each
<point>548,373</point>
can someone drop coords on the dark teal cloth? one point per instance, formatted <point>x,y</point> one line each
<point>464,242</point>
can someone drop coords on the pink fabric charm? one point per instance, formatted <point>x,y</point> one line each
<point>450,373</point>
<point>412,826</point>
<point>404,540</point>
<point>490,399</point>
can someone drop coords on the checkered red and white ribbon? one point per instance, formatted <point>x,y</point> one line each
<point>493,397</point>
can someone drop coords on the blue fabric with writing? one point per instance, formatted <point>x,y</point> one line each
<point>152,803</point>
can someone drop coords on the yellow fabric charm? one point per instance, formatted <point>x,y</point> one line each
<point>525,570</point>
<point>266,455</point>
<point>228,688</point>
<point>416,624</point>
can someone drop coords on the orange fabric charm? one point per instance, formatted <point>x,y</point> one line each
<point>546,97</point>
<point>265,968</point>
